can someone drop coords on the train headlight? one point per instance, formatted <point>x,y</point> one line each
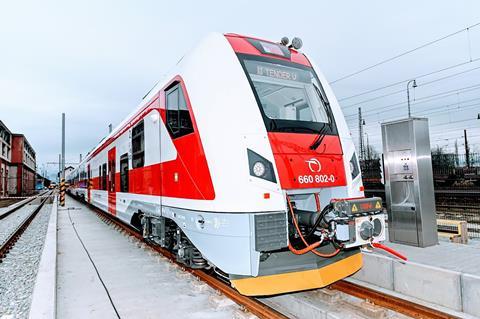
<point>259,169</point>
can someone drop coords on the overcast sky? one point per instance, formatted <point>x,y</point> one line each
<point>95,60</point>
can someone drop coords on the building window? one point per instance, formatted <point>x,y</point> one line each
<point>124,173</point>
<point>179,122</point>
<point>138,145</point>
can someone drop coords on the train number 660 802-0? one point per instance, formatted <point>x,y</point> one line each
<point>307,179</point>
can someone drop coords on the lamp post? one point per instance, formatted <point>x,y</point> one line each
<point>408,95</point>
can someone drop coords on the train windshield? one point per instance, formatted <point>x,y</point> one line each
<point>289,95</point>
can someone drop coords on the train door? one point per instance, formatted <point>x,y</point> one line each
<point>89,182</point>
<point>112,195</point>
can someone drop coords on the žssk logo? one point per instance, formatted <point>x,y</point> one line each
<point>314,165</point>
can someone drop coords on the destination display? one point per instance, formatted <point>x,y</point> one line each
<point>277,71</point>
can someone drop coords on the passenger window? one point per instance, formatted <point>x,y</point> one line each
<point>124,173</point>
<point>100,177</point>
<point>104,177</point>
<point>111,176</point>
<point>179,122</point>
<point>138,145</point>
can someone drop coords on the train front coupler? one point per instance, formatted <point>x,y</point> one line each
<point>357,222</point>
<point>345,223</point>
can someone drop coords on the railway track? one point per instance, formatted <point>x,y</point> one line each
<point>11,238</point>
<point>261,310</point>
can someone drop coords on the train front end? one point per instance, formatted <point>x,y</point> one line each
<point>327,216</point>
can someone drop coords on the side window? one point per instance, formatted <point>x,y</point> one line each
<point>111,176</point>
<point>138,145</point>
<point>104,176</point>
<point>179,122</point>
<point>124,173</point>
<point>89,176</point>
<point>100,177</point>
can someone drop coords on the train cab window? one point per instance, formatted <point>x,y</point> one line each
<point>104,177</point>
<point>179,122</point>
<point>124,173</point>
<point>138,145</point>
<point>289,95</point>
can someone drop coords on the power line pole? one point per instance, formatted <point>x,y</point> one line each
<point>59,167</point>
<point>408,95</point>
<point>467,150</point>
<point>63,146</point>
<point>360,133</point>
<point>62,181</point>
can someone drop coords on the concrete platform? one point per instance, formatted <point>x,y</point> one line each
<point>44,294</point>
<point>464,258</point>
<point>446,276</point>
<point>141,284</point>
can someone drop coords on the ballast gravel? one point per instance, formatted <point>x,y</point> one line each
<point>12,221</point>
<point>18,269</point>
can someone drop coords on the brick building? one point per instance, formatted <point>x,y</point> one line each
<point>22,171</point>
<point>5,157</point>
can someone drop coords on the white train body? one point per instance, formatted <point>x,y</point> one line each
<point>186,155</point>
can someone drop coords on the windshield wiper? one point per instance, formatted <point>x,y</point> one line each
<point>321,133</point>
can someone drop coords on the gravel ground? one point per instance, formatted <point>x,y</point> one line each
<point>18,270</point>
<point>12,221</point>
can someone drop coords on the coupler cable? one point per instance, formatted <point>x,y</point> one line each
<point>389,250</point>
<point>308,246</point>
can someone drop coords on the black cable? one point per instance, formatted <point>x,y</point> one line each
<point>405,53</point>
<point>94,266</point>
<point>324,212</point>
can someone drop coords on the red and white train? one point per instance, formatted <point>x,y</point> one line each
<point>240,161</point>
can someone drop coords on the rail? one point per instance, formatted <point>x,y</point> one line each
<point>396,304</point>
<point>21,204</point>
<point>13,237</point>
<point>260,309</point>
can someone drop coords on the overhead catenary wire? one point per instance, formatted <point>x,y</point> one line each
<point>404,53</point>
<point>431,125</point>
<point>405,80</point>
<point>459,104</point>
<point>425,99</point>
<point>377,135</point>
<point>419,85</point>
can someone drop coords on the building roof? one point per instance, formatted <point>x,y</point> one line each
<point>27,144</point>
